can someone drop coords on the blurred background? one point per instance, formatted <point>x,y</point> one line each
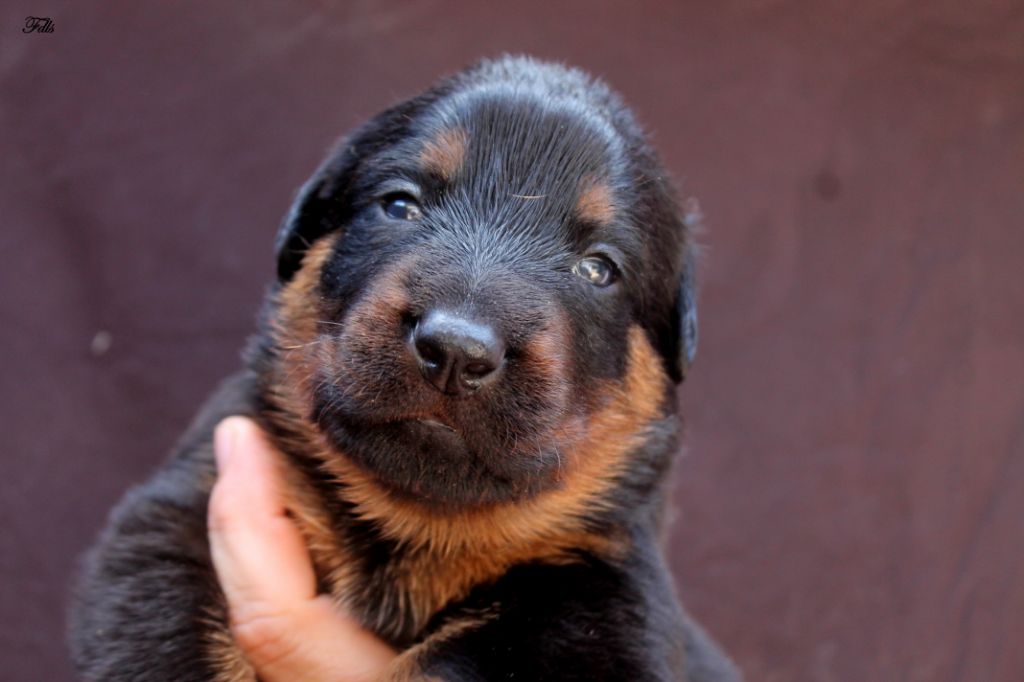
<point>850,505</point>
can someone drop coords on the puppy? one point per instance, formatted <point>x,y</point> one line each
<point>484,302</point>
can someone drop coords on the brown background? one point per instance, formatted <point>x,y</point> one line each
<point>851,506</point>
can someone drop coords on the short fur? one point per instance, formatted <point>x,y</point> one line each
<point>506,534</point>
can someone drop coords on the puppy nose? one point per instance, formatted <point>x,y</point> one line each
<point>455,354</point>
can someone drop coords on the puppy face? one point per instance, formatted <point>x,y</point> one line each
<point>464,282</point>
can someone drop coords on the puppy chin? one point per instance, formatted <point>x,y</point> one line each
<point>432,463</point>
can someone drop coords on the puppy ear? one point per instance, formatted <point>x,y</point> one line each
<point>323,203</point>
<point>684,316</point>
<point>316,211</point>
<point>686,319</point>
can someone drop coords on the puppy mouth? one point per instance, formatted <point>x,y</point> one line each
<point>435,423</point>
<point>424,424</point>
<point>432,418</point>
<point>428,454</point>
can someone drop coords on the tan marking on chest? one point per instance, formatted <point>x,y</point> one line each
<point>223,655</point>
<point>408,667</point>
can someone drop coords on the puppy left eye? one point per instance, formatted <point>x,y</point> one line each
<point>597,270</point>
<point>402,207</point>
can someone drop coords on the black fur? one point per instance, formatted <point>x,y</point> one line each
<point>498,241</point>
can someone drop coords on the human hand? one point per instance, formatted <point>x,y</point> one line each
<point>283,628</point>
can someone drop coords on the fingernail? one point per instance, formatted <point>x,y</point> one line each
<point>224,439</point>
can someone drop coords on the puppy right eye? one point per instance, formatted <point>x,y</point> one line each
<point>598,270</point>
<point>401,207</point>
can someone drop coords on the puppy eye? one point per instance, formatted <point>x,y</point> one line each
<point>401,207</point>
<point>597,270</point>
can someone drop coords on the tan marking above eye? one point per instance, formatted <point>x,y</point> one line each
<point>595,203</point>
<point>445,153</point>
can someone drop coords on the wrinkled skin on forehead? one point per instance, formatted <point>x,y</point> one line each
<point>517,179</point>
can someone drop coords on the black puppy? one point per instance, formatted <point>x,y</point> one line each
<point>484,302</point>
